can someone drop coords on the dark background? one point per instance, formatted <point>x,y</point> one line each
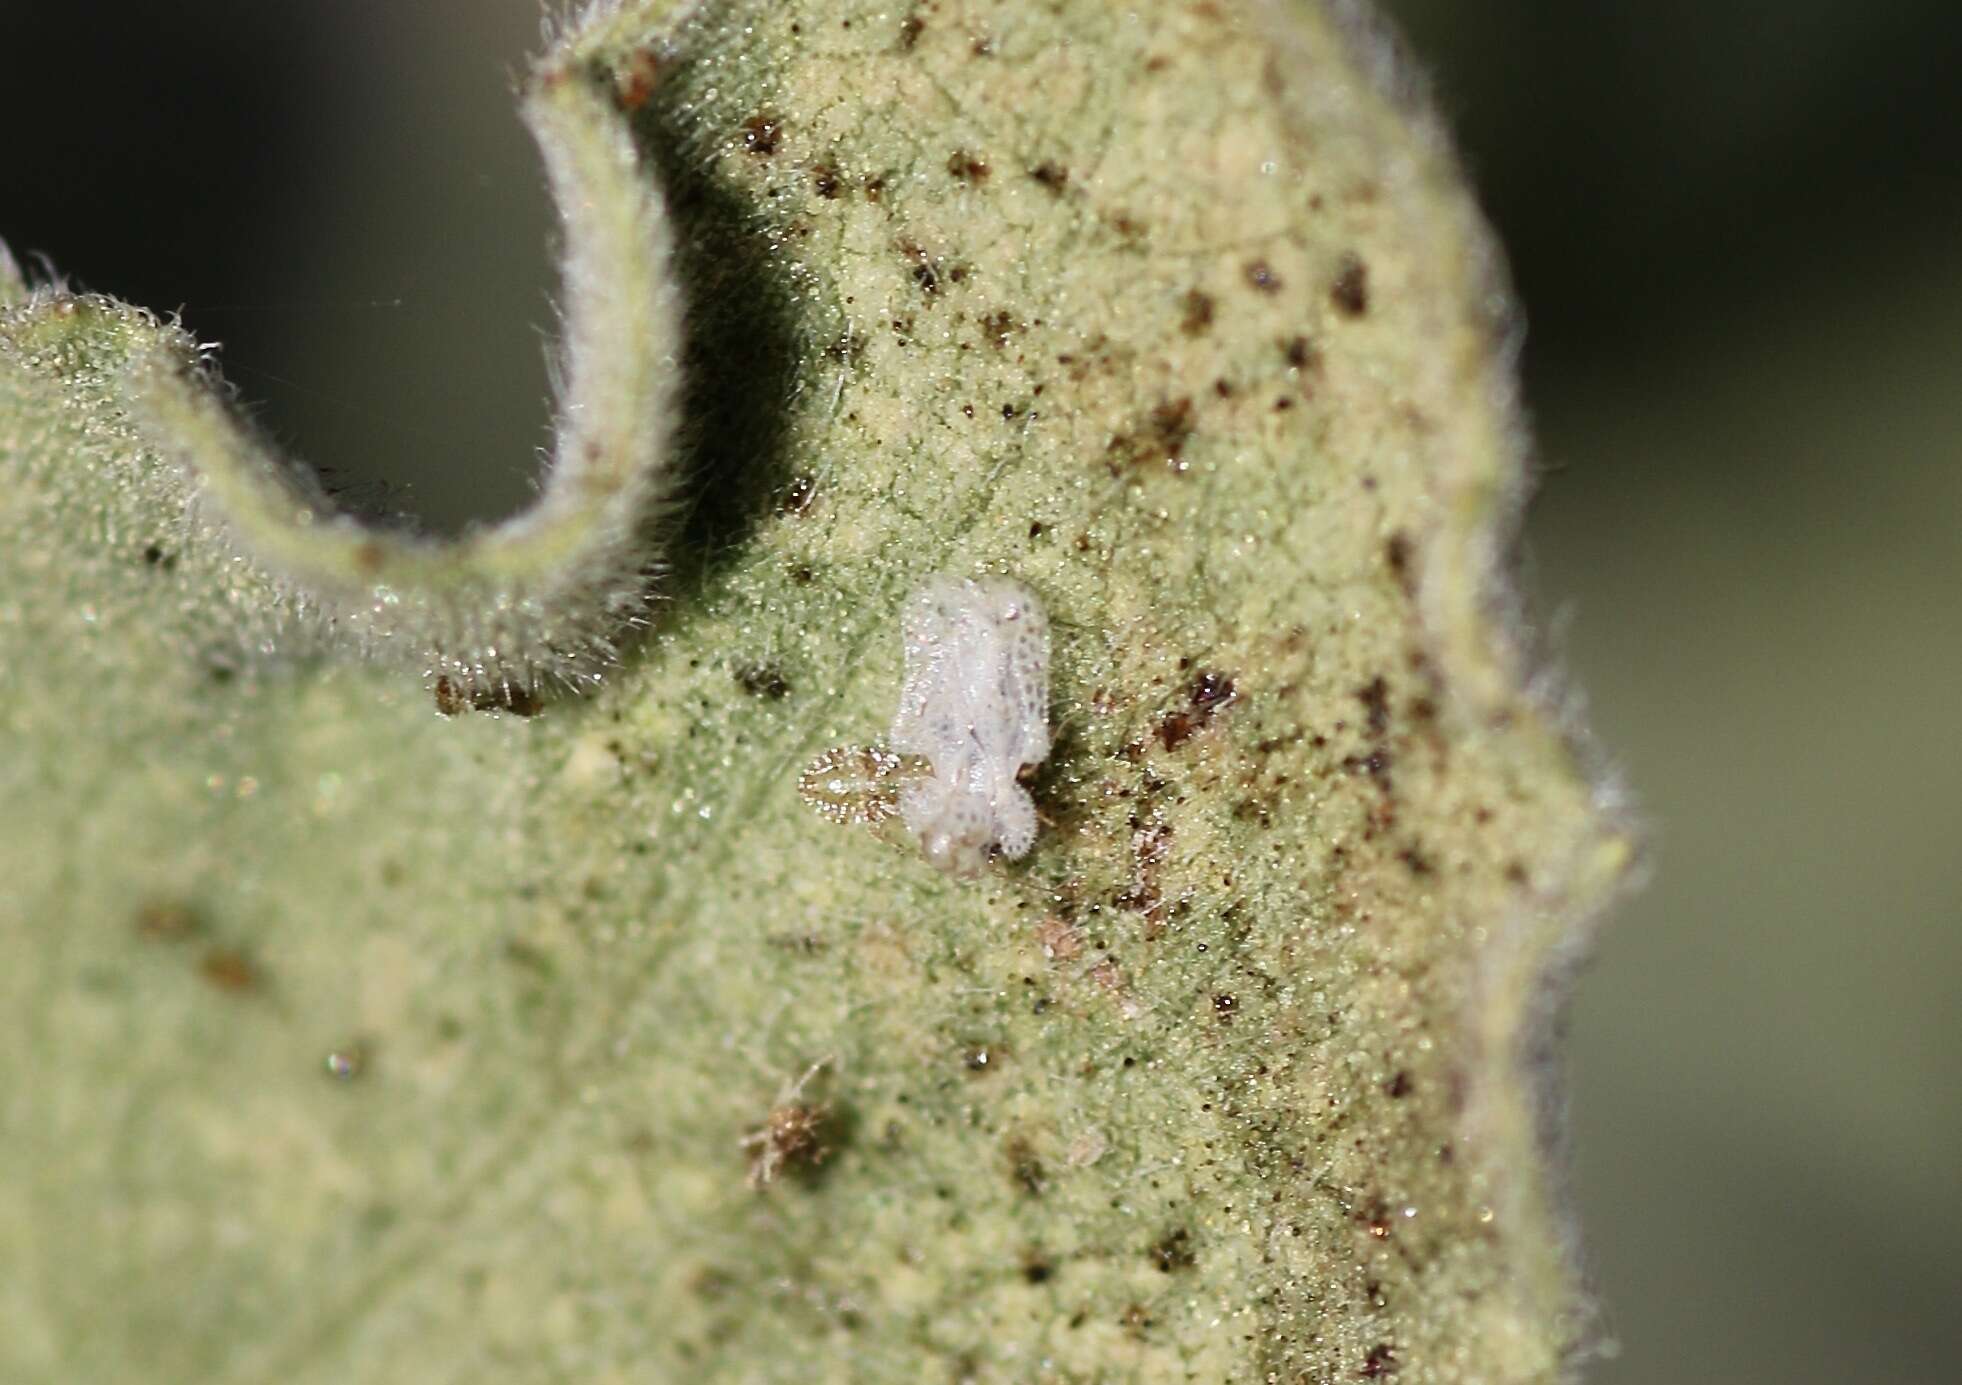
<point>1737,232</point>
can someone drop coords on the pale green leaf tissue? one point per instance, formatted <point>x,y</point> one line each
<point>418,963</point>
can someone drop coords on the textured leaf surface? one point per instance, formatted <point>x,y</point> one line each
<point>360,1042</point>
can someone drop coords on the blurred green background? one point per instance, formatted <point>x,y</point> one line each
<point>1737,233</point>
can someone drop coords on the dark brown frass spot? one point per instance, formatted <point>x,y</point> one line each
<point>763,680</point>
<point>1300,354</point>
<point>798,496</point>
<point>910,30</point>
<point>1261,276</point>
<point>1380,1360</point>
<point>1025,1168</point>
<point>1051,175</point>
<point>1350,290</point>
<point>1398,1086</point>
<point>1160,438</point>
<point>760,133</point>
<point>230,971</point>
<point>1199,310</point>
<point>924,273</point>
<point>156,557</point>
<point>825,181</point>
<point>1398,552</point>
<point>998,326</point>
<point>1376,765</point>
<point>1037,1268</point>
<point>1226,1005</point>
<point>1375,698</point>
<point>847,348</point>
<point>1208,692</point>
<point>967,167</point>
<point>1174,1253</point>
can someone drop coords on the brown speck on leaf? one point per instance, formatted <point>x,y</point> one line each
<point>980,1059</point>
<point>875,188</point>
<point>1398,1086</point>
<point>798,496</point>
<point>156,557</point>
<point>1037,1267</point>
<point>166,921</point>
<point>1300,354</point>
<point>1261,276</point>
<point>1025,1168</point>
<point>1226,1005</point>
<point>763,680</point>
<point>1208,692</point>
<point>1136,1320</point>
<point>1174,1253</point>
<point>1198,312</point>
<point>368,557</point>
<point>1375,698</point>
<point>967,167</point>
<point>1397,553</point>
<point>998,326</point>
<point>1051,175</point>
<point>760,133</point>
<point>847,348</point>
<point>924,273</point>
<point>910,30</point>
<point>1350,290</point>
<point>1380,1360</point>
<point>1151,843</point>
<point>1376,765</point>
<point>229,970</point>
<point>982,47</point>
<point>635,79</point>
<point>825,180</point>
<point>1060,941</point>
<point>1160,438</point>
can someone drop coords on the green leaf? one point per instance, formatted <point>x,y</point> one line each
<point>369,1032</point>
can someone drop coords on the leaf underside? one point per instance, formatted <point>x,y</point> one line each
<point>357,1041</point>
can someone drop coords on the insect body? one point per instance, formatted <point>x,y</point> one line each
<point>857,784</point>
<point>975,706</point>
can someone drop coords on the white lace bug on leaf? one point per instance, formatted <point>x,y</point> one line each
<point>975,706</point>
